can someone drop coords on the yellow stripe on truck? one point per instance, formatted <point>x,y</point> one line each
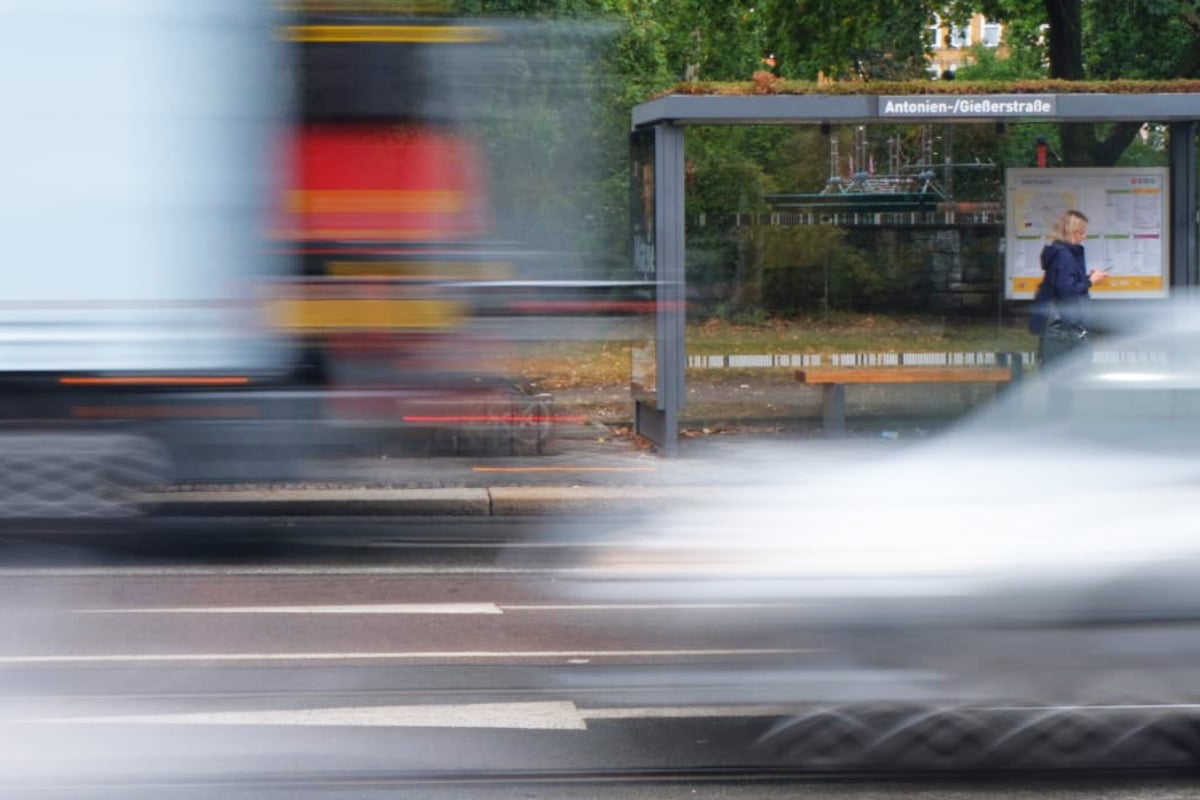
<point>364,314</point>
<point>152,380</point>
<point>414,268</point>
<point>431,34</point>
<point>375,201</point>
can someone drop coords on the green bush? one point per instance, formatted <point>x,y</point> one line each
<point>808,268</point>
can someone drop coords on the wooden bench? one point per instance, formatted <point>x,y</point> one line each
<point>833,381</point>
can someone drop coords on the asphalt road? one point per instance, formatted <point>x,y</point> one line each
<point>291,657</point>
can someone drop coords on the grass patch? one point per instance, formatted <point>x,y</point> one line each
<point>855,333</point>
<point>553,366</point>
<point>558,365</point>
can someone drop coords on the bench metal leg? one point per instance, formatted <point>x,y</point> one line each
<point>833,407</point>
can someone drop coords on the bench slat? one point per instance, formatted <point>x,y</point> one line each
<point>839,375</point>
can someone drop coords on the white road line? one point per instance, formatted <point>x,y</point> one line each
<point>547,716</point>
<point>425,544</point>
<point>687,712</point>
<point>1087,708</point>
<point>315,570</point>
<point>382,608</point>
<point>507,607</point>
<point>439,608</point>
<point>447,655</point>
<point>538,715</point>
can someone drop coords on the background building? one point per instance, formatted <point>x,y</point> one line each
<point>952,45</point>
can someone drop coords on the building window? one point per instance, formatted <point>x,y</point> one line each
<point>960,37</point>
<point>935,32</point>
<point>991,33</point>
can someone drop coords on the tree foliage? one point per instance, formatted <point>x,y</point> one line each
<point>655,44</point>
<point>1070,40</point>
<point>862,39</point>
<point>1105,40</point>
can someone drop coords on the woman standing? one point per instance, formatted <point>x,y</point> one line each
<point>1065,286</point>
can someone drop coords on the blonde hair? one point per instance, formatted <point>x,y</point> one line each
<point>1069,223</point>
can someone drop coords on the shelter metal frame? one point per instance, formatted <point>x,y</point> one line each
<point>657,418</point>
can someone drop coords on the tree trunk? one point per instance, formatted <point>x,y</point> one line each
<point>1066,39</point>
<point>1080,146</point>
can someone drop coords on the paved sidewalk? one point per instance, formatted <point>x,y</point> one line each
<point>587,469</point>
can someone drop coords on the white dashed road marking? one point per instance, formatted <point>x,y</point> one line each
<point>547,716</point>
<point>382,608</point>
<point>444,655</point>
<point>524,716</point>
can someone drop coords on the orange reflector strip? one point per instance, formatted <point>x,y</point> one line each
<point>150,380</point>
<point>164,412</point>
<point>491,418</point>
<point>447,233</point>
<point>562,469</point>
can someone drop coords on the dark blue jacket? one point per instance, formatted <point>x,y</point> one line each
<point>1066,268</point>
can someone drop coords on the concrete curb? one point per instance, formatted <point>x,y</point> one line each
<point>495,501</point>
<point>535,500</point>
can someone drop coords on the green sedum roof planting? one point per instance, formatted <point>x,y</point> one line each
<point>764,83</point>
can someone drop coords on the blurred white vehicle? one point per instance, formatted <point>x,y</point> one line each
<point>1030,572</point>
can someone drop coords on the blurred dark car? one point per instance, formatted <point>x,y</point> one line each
<point>1021,590</point>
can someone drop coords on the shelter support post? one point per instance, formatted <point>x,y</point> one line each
<point>1185,271</point>
<point>659,421</point>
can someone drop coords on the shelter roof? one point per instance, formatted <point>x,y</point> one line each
<point>789,102</point>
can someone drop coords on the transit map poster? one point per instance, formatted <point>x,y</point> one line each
<point>1128,232</point>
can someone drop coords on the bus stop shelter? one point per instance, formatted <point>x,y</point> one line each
<point>660,123</point>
